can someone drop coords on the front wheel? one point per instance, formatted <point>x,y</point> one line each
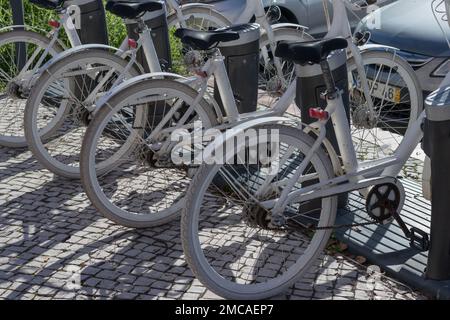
<point>231,242</point>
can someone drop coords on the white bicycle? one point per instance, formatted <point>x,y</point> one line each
<point>251,230</point>
<point>17,78</point>
<point>257,232</point>
<point>115,194</point>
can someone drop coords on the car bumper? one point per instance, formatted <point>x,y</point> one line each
<point>424,67</point>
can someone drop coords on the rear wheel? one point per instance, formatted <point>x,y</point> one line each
<point>142,186</point>
<point>60,105</point>
<point>20,55</point>
<point>231,242</point>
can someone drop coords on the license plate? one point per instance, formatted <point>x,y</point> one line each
<point>383,91</point>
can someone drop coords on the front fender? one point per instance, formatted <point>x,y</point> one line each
<point>208,156</point>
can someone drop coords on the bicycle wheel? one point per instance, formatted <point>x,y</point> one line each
<point>198,18</point>
<point>142,187</point>
<point>397,98</point>
<point>230,241</point>
<point>272,83</point>
<point>16,68</point>
<point>59,106</point>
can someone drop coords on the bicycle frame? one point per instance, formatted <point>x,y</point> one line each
<point>67,24</point>
<point>145,42</point>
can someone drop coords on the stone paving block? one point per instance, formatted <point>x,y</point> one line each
<point>48,228</point>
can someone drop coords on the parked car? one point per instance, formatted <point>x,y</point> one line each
<point>309,13</point>
<point>411,27</point>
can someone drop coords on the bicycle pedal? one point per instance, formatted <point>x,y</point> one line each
<point>419,239</point>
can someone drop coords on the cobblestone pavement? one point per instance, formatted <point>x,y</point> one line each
<point>53,244</point>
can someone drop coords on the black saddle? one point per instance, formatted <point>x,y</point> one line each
<point>132,10</point>
<point>309,51</point>
<point>204,40</point>
<point>48,4</point>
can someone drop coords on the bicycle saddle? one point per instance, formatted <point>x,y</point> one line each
<point>204,40</point>
<point>309,51</point>
<point>132,10</point>
<point>48,4</point>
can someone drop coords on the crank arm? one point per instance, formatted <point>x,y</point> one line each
<point>314,192</point>
<point>419,239</point>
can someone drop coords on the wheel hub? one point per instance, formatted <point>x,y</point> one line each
<point>363,117</point>
<point>255,216</point>
<point>14,90</point>
<point>275,86</point>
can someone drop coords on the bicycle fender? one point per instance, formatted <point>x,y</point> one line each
<point>24,27</point>
<point>329,148</point>
<point>197,5</point>
<point>377,47</point>
<point>67,53</point>
<point>76,50</point>
<point>31,28</point>
<point>124,85</point>
<point>289,26</point>
<point>221,140</point>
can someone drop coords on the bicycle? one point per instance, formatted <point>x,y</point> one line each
<point>57,150</point>
<point>16,81</point>
<point>270,225</point>
<point>116,202</point>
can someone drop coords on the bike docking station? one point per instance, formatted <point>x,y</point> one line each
<point>424,262</point>
<point>157,22</point>
<point>91,20</point>
<point>242,63</point>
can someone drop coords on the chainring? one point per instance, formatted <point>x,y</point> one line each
<point>384,200</point>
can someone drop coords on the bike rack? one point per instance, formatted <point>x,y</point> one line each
<point>436,144</point>
<point>242,63</point>
<point>386,246</point>
<point>157,22</point>
<point>18,19</point>
<point>92,21</point>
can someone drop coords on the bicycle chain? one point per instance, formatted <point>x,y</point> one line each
<point>341,226</point>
